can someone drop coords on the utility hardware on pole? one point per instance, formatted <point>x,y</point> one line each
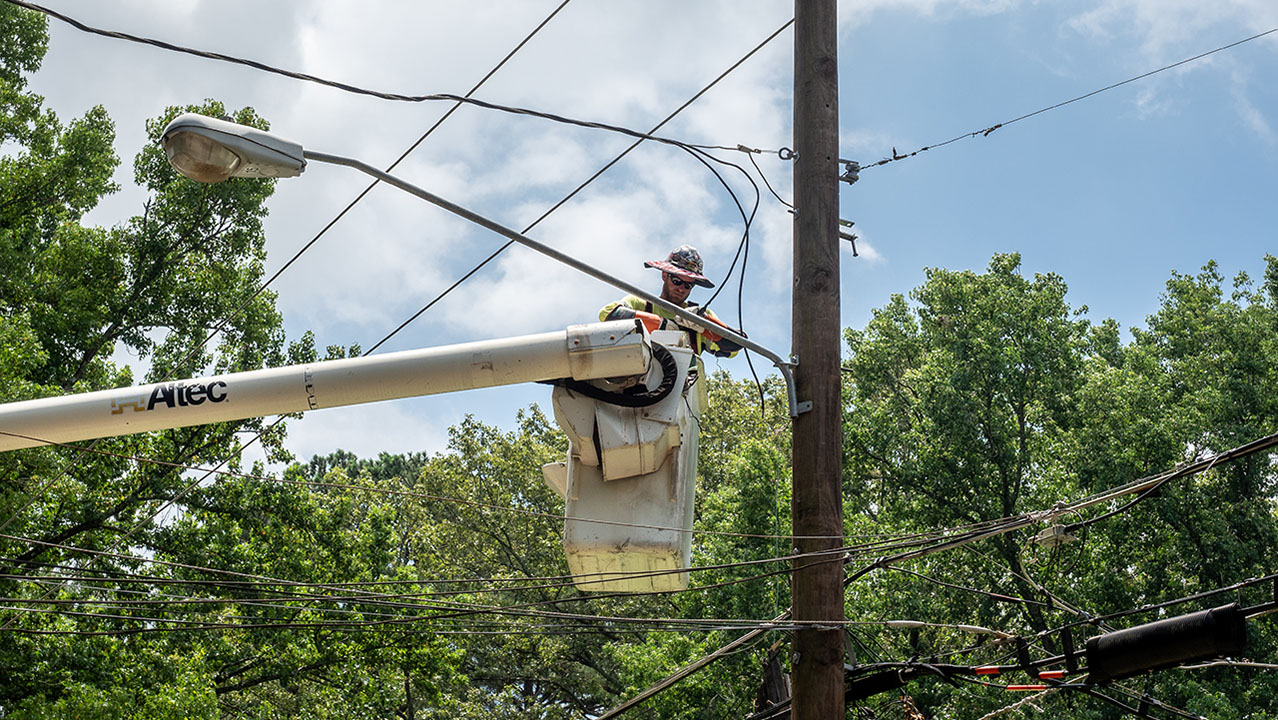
<point>817,663</point>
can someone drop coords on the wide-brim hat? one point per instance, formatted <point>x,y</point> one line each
<point>684,262</point>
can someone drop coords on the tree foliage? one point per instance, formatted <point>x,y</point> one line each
<point>989,396</point>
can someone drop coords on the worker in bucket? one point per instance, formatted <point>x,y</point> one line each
<point>680,271</point>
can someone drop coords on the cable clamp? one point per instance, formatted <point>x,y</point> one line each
<point>1053,537</point>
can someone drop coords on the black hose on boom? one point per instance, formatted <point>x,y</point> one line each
<point>643,398</point>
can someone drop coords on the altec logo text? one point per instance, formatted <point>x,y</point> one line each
<point>176,395</point>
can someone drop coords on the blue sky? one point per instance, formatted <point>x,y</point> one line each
<point>1113,193</point>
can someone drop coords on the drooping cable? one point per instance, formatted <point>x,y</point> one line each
<point>607,166</point>
<point>345,87</point>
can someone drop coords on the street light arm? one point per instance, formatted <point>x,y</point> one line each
<point>689,319</point>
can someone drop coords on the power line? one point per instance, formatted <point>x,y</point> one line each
<point>1240,585</point>
<point>453,609</point>
<point>345,87</point>
<point>607,166</point>
<point>369,596</point>
<point>1010,524</point>
<point>992,595</point>
<point>985,132</point>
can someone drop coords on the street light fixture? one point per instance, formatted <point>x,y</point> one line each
<point>209,150</point>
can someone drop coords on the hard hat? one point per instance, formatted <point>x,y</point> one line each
<point>685,262</point>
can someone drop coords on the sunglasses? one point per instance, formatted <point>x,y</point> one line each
<point>679,282</point>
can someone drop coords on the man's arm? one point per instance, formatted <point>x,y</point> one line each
<point>718,345</point>
<point>631,307</point>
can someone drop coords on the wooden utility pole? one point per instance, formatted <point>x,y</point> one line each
<point>817,665</point>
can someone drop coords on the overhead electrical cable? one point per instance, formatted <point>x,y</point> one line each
<point>327,485</point>
<point>1018,522</point>
<point>992,595</point>
<point>454,610</point>
<point>182,625</point>
<point>369,596</point>
<point>345,87</point>
<point>607,166</point>
<point>985,132</point>
<point>1152,607</point>
<point>448,611</point>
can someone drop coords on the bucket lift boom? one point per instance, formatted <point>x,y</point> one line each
<point>628,466</point>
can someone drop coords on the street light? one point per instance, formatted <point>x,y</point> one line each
<point>209,150</point>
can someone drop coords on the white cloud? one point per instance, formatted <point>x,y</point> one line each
<point>394,427</point>
<point>866,252</point>
<point>1252,117</point>
<point>1167,31</point>
<point>1165,28</point>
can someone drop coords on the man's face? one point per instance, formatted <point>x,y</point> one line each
<point>675,289</point>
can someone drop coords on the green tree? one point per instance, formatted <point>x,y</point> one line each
<point>1198,380</point>
<point>958,405</point>
<point>987,398</point>
<point>70,296</point>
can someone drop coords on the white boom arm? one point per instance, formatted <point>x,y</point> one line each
<point>583,352</point>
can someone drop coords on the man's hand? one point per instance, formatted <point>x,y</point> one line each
<point>651,321</point>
